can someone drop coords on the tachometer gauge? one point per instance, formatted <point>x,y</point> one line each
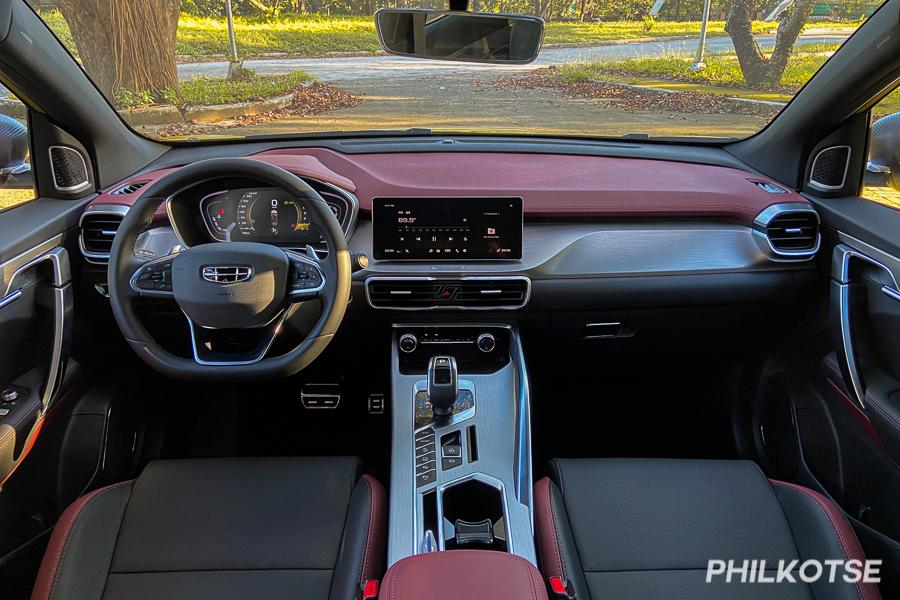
<point>218,215</point>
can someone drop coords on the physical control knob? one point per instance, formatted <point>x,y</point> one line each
<point>408,343</point>
<point>486,342</point>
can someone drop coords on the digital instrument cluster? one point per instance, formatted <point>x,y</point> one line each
<point>447,228</point>
<point>267,215</point>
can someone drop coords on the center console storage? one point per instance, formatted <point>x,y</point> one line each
<point>487,576</point>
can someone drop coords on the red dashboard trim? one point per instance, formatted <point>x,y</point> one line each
<point>552,185</point>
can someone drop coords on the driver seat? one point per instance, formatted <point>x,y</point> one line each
<point>274,528</point>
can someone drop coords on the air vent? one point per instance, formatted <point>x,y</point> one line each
<point>98,229</point>
<point>425,293</point>
<point>69,170</point>
<point>829,169</point>
<point>129,188</point>
<point>791,230</point>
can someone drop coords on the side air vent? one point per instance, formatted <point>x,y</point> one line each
<point>790,230</point>
<point>98,229</point>
<point>129,188</point>
<point>427,293</point>
<point>829,169</point>
<point>69,170</point>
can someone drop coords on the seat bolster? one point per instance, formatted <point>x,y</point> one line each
<point>90,524</point>
<point>362,553</point>
<point>556,543</point>
<point>822,532</point>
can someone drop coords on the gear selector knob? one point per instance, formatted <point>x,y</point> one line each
<point>443,384</point>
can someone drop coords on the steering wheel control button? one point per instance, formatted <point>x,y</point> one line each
<point>408,343</point>
<point>306,278</point>
<point>426,467</point>
<point>154,277</point>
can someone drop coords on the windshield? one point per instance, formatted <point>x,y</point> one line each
<point>208,69</point>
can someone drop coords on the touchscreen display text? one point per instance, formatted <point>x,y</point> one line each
<point>447,228</point>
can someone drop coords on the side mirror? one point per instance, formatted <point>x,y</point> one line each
<point>14,170</point>
<point>883,167</point>
<point>460,36</point>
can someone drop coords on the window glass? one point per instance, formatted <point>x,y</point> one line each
<point>882,178</point>
<point>16,182</point>
<point>191,70</point>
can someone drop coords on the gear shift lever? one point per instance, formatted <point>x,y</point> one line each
<point>443,384</point>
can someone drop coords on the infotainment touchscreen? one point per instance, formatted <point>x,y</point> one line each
<point>447,228</point>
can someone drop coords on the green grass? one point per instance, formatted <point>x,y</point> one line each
<point>311,36</point>
<point>722,75</point>
<point>203,91</point>
<point>13,197</point>
<point>722,69</point>
<point>206,91</point>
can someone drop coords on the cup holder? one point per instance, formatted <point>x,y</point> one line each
<point>473,517</point>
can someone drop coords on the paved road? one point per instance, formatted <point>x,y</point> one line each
<point>374,67</point>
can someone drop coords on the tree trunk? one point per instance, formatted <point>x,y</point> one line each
<point>126,44</point>
<point>758,70</point>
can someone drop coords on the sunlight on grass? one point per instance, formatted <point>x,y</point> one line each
<point>12,197</point>
<point>320,35</point>
<point>721,68</point>
<point>883,195</point>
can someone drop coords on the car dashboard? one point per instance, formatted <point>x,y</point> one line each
<point>502,230</point>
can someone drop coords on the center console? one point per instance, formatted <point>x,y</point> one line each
<point>461,441</point>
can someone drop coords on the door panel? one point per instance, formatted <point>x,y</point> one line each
<point>35,317</point>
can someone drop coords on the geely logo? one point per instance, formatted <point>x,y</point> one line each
<point>226,274</point>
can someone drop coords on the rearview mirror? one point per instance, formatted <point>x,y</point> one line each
<point>460,36</point>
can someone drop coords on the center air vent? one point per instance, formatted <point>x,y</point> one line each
<point>428,293</point>
<point>129,188</point>
<point>98,229</point>
<point>791,230</point>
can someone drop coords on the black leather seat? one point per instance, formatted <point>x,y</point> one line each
<point>646,529</point>
<point>277,528</point>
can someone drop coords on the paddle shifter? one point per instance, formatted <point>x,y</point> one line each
<point>443,384</point>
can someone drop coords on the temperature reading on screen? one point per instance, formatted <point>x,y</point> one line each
<point>447,228</point>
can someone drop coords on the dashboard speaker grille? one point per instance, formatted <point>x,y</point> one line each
<point>69,169</point>
<point>97,233</point>
<point>829,168</point>
<point>424,294</point>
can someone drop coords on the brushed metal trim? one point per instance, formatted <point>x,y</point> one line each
<point>10,299</point>
<point>13,267</point>
<point>524,303</point>
<point>891,293</point>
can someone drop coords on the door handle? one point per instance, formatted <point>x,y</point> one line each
<point>890,292</point>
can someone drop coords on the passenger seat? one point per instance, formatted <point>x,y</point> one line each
<point>647,529</point>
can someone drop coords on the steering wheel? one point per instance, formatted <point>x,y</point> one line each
<point>235,295</point>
